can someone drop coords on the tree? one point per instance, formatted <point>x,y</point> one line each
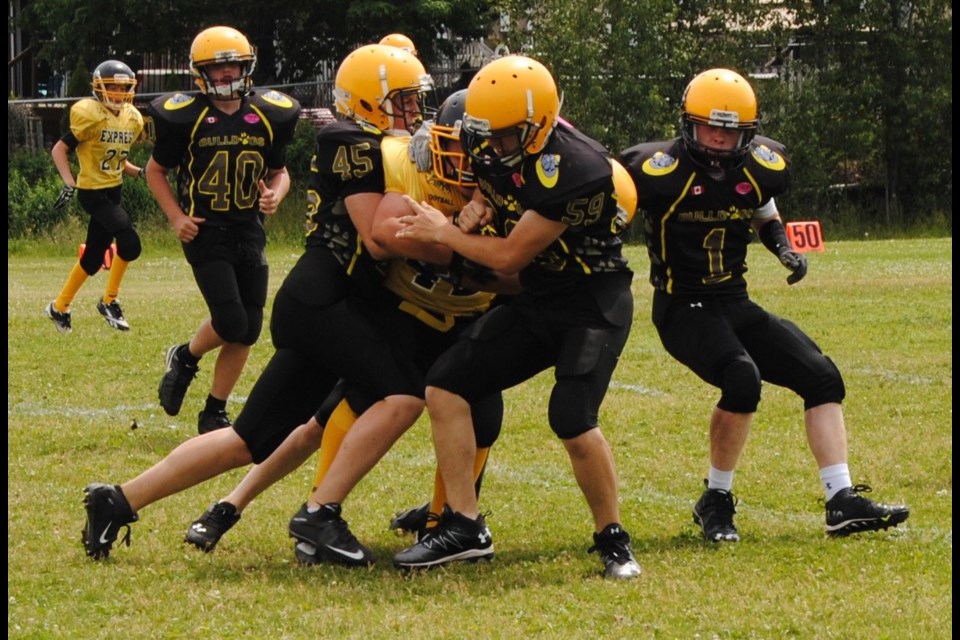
<point>295,38</point>
<point>873,91</point>
<point>861,92</point>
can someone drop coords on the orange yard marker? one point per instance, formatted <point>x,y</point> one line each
<point>805,236</point>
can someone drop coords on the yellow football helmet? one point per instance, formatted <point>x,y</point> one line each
<point>375,84</point>
<point>625,192</point>
<point>719,98</point>
<point>399,41</point>
<point>450,163</point>
<point>112,73</point>
<point>512,107</point>
<point>217,45</point>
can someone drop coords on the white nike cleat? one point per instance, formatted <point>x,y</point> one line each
<point>323,536</point>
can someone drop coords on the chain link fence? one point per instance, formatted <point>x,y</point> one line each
<point>36,124</point>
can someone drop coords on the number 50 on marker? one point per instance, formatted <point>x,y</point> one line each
<point>805,236</point>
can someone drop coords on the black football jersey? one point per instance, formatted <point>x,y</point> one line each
<point>221,158</point>
<point>347,161</point>
<point>570,181</point>
<point>697,225</point>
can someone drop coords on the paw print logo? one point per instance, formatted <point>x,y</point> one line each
<point>244,139</point>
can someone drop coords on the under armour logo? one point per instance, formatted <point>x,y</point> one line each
<point>484,536</point>
<point>696,304</point>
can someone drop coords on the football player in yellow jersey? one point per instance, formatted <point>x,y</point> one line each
<point>102,130</point>
<point>437,305</point>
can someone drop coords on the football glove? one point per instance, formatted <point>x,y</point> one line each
<point>66,193</point>
<point>419,148</point>
<point>796,262</point>
<point>773,235</point>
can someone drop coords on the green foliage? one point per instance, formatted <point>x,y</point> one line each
<point>301,149</point>
<point>33,185</point>
<point>69,29</point>
<point>79,84</point>
<point>32,166</point>
<point>862,93</point>
<point>83,408</point>
<point>30,206</point>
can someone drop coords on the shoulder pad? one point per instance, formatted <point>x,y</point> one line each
<point>580,160</point>
<point>651,158</point>
<point>84,115</point>
<point>779,147</point>
<point>768,153</point>
<point>347,131</point>
<point>176,107</point>
<point>275,105</point>
<point>87,109</point>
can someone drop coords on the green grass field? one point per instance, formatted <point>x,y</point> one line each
<point>881,309</point>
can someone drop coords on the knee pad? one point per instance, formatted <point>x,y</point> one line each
<point>252,281</point>
<point>590,351</point>
<point>487,417</point>
<point>330,403</point>
<point>740,386</point>
<point>128,244</point>
<point>573,408</point>
<point>254,326</point>
<point>91,261</point>
<point>825,385</point>
<point>229,320</point>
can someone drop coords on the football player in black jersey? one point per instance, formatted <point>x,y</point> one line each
<point>550,190</point>
<point>437,302</point>
<point>703,196</point>
<point>321,327</point>
<point>227,146</point>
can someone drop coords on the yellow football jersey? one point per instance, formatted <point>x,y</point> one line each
<point>104,140</point>
<point>412,280</point>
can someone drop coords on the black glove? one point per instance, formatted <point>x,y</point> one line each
<point>796,262</point>
<point>65,194</point>
<point>774,237</point>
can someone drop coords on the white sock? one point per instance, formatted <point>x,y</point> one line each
<point>835,478</point>
<point>717,479</point>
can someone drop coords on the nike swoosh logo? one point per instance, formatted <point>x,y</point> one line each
<point>353,555</point>
<point>103,536</point>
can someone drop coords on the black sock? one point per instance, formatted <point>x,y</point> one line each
<point>186,357</point>
<point>214,405</point>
